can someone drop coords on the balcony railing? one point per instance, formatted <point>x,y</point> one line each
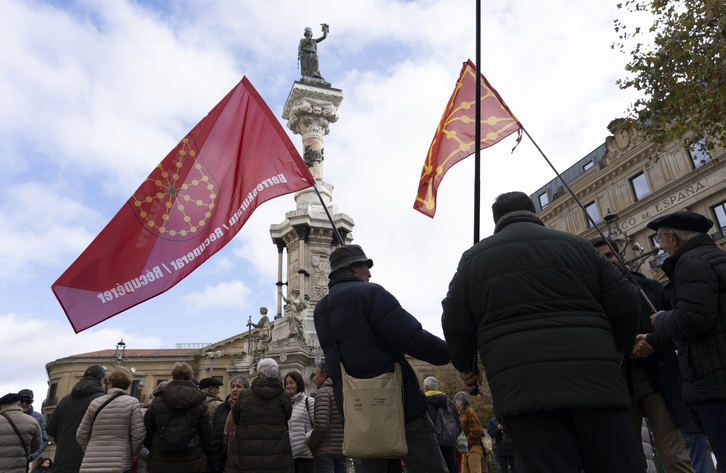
<point>719,234</point>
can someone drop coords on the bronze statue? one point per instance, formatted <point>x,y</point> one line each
<point>307,54</point>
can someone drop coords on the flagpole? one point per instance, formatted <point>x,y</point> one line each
<point>594,224</point>
<point>335,229</point>
<point>477,129</point>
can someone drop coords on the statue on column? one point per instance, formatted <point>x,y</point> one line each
<point>297,304</point>
<point>307,54</point>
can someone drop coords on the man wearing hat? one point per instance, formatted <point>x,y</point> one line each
<point>19,435</point>
<point>210,388</point>
<point>696,267</point>
<point>372,332</point>
<point>26,403</point>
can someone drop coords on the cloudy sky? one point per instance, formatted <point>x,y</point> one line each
<point>95,94</point>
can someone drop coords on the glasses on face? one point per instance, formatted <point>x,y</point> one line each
<point>26,401</point>
<point>658,236</point>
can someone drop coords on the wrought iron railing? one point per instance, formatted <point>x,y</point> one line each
<point>719,234</point>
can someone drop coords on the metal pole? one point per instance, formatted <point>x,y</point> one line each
<point>211,365</point>
<point>477,129</point>
<point>335,229</point>
<point>594,224</point>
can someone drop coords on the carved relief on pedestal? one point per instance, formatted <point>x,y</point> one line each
<point>319,277</point>
<point>311,117</point>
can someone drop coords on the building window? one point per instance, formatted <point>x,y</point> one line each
<point>698,156</point>
<point>587,165</point>
<point>591,209</point>
<point>52,393</point>
<point>543,200</point>
<point>720,212</point>
<point>640,186</point>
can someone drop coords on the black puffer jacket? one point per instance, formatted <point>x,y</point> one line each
<point>261,442</point>
<point>662,366</point>
<point>373,332</point>
<point>697,271</point>
<point>438,400</point>
<point>185,394</point>
<point>549,315</point>
<point>215,455</point>
<point>64,424</point>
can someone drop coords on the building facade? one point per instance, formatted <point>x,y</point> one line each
<point>625,183</point>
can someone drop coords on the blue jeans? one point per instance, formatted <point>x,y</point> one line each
<point>698,451</point>
<point>331,465</point>
<point>713,420</point>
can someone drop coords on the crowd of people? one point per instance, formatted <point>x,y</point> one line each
<point>577,350</point>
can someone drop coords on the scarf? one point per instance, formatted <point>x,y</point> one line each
<point>229,427</point>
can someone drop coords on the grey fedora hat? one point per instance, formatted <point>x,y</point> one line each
<point>347,255</point>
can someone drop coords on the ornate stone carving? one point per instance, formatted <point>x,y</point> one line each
<point>622,140</point>
<point>311,117</point>
<point>297,304</point>
<point>313,156</point>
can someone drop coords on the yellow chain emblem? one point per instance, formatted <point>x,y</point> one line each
<point>179,197</point>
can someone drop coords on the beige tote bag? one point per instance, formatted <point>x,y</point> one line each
<point>375,426</point>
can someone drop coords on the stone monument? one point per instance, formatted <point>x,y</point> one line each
<point>306,235</point>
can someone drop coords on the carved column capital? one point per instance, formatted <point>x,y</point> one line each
<point>311,117</point>
<point>302,232</point>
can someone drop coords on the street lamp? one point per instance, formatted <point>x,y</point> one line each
<point>119,357</point>
<point>615,233</point>
<point>212,355</point>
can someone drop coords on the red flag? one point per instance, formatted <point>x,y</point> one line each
<point>189,207</point>
<point>454,138</point>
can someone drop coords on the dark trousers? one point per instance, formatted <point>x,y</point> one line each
<point>505,463</point>
<point>571,440</point>
<point>713,420</point>
<point>331,464</point>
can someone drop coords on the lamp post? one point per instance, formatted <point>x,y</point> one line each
<point>212,355</point>
<point>619,235</point>
<point>615,233</point>
<point>119,357</point>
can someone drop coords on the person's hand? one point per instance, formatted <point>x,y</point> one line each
<point>500,427</point>
<point>653,317</point>
<point>642,348</point>
<point>471,381</point>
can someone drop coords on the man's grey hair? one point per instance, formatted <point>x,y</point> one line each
<point>241,379</point>
<point>431,383</point>
<point>267,368</point>
<point>323,368</point>
<point>683,235</point>
<point>461,399</point>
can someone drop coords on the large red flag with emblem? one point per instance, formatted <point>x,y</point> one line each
<point>189,207</point>
<point>455,135</point>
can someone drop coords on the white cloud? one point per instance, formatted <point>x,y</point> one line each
<point>27,343</point>
<point>225,295</point>
<point>42,227</point>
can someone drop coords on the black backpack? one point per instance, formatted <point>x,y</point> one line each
<point>446,428</point>
<point>177,434</point>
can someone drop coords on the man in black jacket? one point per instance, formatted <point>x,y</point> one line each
<point>68,415</point>
<point>653,378</point>
<point>696,268</point>
<point>552,319</point>
<point>373,332</point>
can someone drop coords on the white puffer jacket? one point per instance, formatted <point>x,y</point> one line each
<point>300,424</point>
<point>116,435</point>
